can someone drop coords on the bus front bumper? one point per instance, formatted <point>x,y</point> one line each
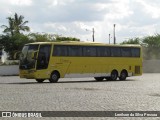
<point>29,74</point>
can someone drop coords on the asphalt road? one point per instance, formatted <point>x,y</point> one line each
<point>140,93</point>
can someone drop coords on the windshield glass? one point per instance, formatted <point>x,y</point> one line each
<point>26,60</point>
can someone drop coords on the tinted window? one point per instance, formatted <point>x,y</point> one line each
<point>74,50</point>
<point>60,50</point>
<point>89,51</point>
<point>126,52</point>
<point>115,52</point>
<point>26,62</point>
<point>135,52</point>
<point>103,51</point>
<point>0,52</point>
<point>43,56</point>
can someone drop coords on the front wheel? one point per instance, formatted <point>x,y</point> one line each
<point>54,77</point>
<point>40,80</point>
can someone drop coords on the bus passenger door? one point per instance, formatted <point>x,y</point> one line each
<point>43,60</point>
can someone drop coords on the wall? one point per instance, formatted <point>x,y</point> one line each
<point>151,66</point>
<point>9,70</point>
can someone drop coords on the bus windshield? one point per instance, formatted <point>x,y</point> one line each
<point>26,61</point>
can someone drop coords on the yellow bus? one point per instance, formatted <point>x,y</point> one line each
<point>54,60</point>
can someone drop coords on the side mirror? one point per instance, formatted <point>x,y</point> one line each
<point>17,55</point>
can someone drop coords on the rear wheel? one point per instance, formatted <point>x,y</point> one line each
<point>54,77</point>
<point>99,78</point>
<point>40,80</point>
<point>123,75</point>
<point>114,75</point>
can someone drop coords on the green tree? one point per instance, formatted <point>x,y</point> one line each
<point>16,24</point>
<point>13,44</point>
<point>19,24</point>
<point>151,45</point>
<point>59,38</point>
<point>10,28</point>
<point>14,40</point>
<point>37,37</point>
<point>44,37</point>
<point>132,41</point>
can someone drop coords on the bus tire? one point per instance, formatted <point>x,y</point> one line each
<point>123,75</point>
<point>54,77</point>
<point>40,80</point>
<point>114,75</point>
<point>99,78</point>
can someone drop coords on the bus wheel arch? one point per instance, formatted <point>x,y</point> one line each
<point>54,77</point>
<point>99,78</point>
<point>123,75</point>
<point>114,75</point>
<point>40,80</point>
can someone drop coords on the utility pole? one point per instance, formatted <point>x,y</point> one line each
<point>93,34</point>
<point>114,37</point>
<point>109,38</point>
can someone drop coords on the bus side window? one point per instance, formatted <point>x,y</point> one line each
<point>89,51</point>
<point>126,52</point>
<point>60,50</point>
<point>55,51</point>
<point>107,52</point>
<point>103,51</point>
<point>100,51</point>
<point>135,52</point>
<point>115,52</point>
<point>74,50</point>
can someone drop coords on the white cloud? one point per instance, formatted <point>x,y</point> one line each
<point>119,10</point>
<point>152,9</point>
<point>133,18</point>
<point>53,3</point>
<point>21,2</point>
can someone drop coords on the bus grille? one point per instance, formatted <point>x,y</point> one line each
<point>137,69</point>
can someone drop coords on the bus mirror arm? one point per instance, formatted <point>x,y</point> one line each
<point>34,55</point>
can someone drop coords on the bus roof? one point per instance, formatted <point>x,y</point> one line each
<point>85,43</point>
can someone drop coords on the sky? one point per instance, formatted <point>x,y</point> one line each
<point>71,18</point>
